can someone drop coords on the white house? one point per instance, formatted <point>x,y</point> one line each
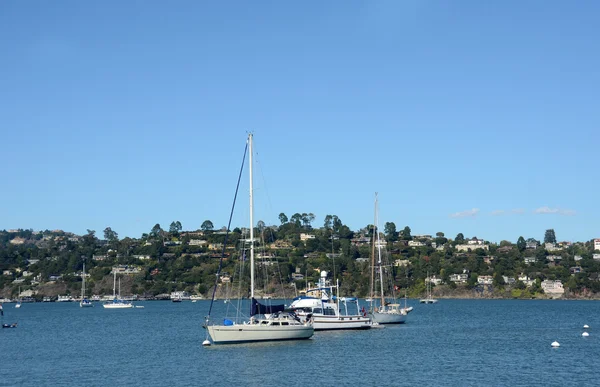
<point>297,276</point>
<point>578,258</point>
<point>401,262</point>
<point>553,258</point>
<point>485,280</point>
<point>526,280</point>
<point>553,288</point>
<point>472,247</point>
<point>197,242</point>
<point>475,241</point>
<point>434,280</point>
<point>596,244</point>
<point>596,257</point>
<point>530,260</point>
<point>460,278</point>
<point>509,280</point>
<point>305,237</point>
<point>415,244</point>
<point>551,247</point>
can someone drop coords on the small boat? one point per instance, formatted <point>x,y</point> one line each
<point>429,299</point>
<point>13,325</point>
<point>18,304</point>
<point>84,303</point>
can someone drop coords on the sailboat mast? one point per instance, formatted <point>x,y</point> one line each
<point>379,252</point>
<point>83,283</point>
<point>372,295</point>
<point>251,221</point>
<point>114,284</point>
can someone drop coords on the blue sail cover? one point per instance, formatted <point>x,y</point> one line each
<point>258,308</point>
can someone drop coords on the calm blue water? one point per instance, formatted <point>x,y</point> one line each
<point>455,342</point>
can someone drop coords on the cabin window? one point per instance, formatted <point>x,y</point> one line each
<point>317,310</point>
<point>285,323</point>
<point>329,312</point>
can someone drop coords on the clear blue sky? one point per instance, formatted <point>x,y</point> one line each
<point>472,116</point>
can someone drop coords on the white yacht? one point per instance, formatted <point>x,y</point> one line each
<point>328,312</point>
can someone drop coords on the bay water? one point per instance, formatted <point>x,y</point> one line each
<point>452,343</point>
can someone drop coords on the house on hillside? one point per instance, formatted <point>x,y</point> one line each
<point>529,260</point>
<point>553,288</point>
<point>459,278</point>
<point>471,247</point>
<point>304,237</point>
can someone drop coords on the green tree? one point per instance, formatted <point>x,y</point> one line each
<point>175,228</point>
<point>207,225</point>
<point>390,231</point>
<point>111,236</point>
<point>296,219</point>
<point>440,239</point>
<point>550,236</point>
<point>521,244</point>
<point>283,218</point>
<point>405,234</point>
<point>460,238</point>
<point>327,224</point>
<point>156,230</point>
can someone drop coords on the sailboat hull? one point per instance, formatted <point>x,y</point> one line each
<point>249,333</point>
<point>117,305</point>
<point>389,318</point>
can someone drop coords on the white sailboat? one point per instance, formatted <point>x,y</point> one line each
<point>429,299</point>
<point>117,302</point>
<point>276,324</point>
<point>18,304</point>
<point>84,303</point>
<point>386,312</point>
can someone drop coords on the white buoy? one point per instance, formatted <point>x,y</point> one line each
<point>555,344</point>
<point>585,334</point>
<point>586,326</point>
<point>206,343</point>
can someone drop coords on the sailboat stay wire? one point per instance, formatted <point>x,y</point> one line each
<point>212,300</point>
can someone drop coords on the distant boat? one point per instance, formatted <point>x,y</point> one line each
<point>84,303</point>
<point>117,302</point>
<point>18,304</point>
<point>429,299</point>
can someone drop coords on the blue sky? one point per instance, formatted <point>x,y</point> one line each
<point>473,117</point>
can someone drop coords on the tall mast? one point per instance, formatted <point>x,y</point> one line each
<point>114,284</point>
<point>251,222</point>
<point>379,252</point>
<point>373,252</point>
<point>83,283</point>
